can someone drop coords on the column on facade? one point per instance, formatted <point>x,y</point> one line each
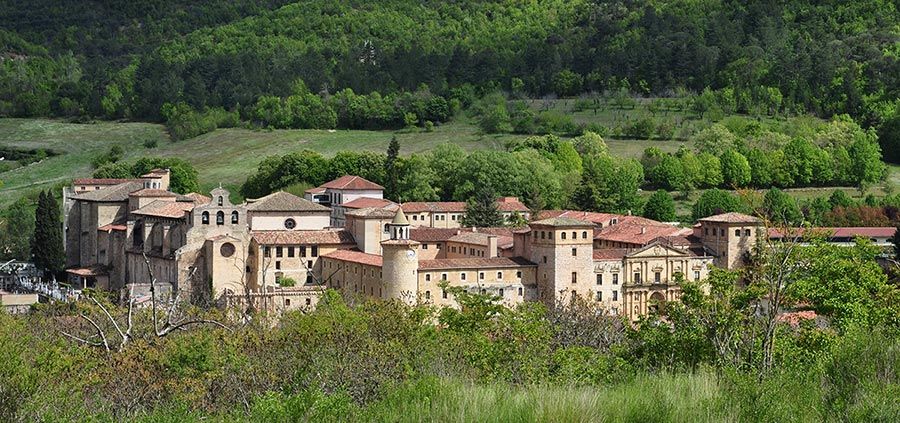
<point>166,243</point>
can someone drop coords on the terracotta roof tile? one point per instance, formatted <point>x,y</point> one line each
<point>170,209</point>
<point>366,202</point>
<point>112,227</point>
<point>316,190</point>
<point>113,193</point>
<point>511,204</point>
<point>610,253</point>
<point>474,263</point>
<point>371,212</point>
<point>637,231</point>
<point>355,257</point>
<point>425,234</point>
<point>352,182</point>
<point>731,217</point>
<point>313,237</point>
<point>284,202</point>
<point>198,199</point>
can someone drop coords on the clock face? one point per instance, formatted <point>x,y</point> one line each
<point>410,253</point>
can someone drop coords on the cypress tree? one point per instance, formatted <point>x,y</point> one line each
<point>47,244</point>
<point>390,168</point>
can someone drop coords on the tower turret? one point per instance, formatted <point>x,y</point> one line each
<point>400,266</point>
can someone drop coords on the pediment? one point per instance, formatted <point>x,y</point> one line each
<point>657,250</point>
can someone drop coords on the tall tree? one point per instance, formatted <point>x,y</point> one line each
<point>660,206</point>
<point>47,243</point>
<point>390,168</point>
<point>16,230</point>
<point>482,211</point>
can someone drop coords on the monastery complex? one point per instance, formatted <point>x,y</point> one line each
<point>281,251</point>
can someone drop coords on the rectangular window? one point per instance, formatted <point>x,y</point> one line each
<point>574,277</point>
<point>443,276</point>
<point>309,264</point>
<point>696,275</point>
<point>499,276</point>
<point>615,278</point>
<point>737,232</point>
<point>462,276</point>
<point>278,265</point>
<point>278,252</point>
<point>574,252</point>
<point>615,296</point>
<point>599,279</point>
<point>424,246</point>
<point>443,294</point>
<point>302,251</point>
<point>315,251</point>
<point>480,275</point>
<point>657,277</point>
<point>637,277</point>
<point>519,275</point>
<point>267,252</point>
<point>290,251</point>
<point>545,259</point>
<point>501,292</point>
<point>520,291</point>
<point>599,295</point>
<point>427,277</point>
<point>746,232</point>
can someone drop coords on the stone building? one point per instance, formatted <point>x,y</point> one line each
<point>280,252</point>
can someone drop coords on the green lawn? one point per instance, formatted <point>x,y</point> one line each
<point>224,156</point>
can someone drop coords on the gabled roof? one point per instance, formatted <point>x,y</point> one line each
<point>366,202</point>
<point>637,232</point>
<point>316,190</point>
<point>603,254</point>
<point>474,263</point>
<point>731,217</point>
<point>311,237</point>
<point>284,202</point>
<point>352,256</point>
<point>511,204</point>
<point>168,209</point>
<point>113,193</point>
<point>352,182</point>
<point>475,238</point>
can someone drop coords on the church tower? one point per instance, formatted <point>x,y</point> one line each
<point>400,261</point>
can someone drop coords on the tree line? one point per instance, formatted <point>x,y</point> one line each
<point>823,57</point>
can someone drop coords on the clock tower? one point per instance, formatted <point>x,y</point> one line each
<point>400,265</point>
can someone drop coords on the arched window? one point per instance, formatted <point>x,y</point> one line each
<point>220,218</point>
<point>221,201</point>
<point>205,218</point>
<point>563,235</point>
<point>584,234</point>
<point>574,235</point>
<point>234,217</point>
<point>427,295</point>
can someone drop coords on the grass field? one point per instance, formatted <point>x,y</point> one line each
<point>224,156</point>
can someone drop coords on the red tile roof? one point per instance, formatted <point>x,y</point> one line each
<point>425,234</point>
<point>511,204</point>
<point>731,217</point>
<point>634,232</point>
<point>840,232</point>
<point>199,199</point>
<point>324,236</point>
<point>352,182</point>
<point>610,253</point>
<point>316,190</point>
<point>562,222</point>
<point>366,202</point>
<point>474,263</point>
<point>149,192</point>
<point>170,209</point>
<point>112,227</point>
<point>352,256</point>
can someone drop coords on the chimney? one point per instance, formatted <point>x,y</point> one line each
<point>643,230</point>
<point>492,247</point>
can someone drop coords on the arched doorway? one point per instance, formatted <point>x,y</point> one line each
<point>657,303</point>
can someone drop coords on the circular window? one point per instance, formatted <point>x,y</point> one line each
<point>290,223</point>
<point>227,249</point>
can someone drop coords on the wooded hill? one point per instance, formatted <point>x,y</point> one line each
<point>126,59</point>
